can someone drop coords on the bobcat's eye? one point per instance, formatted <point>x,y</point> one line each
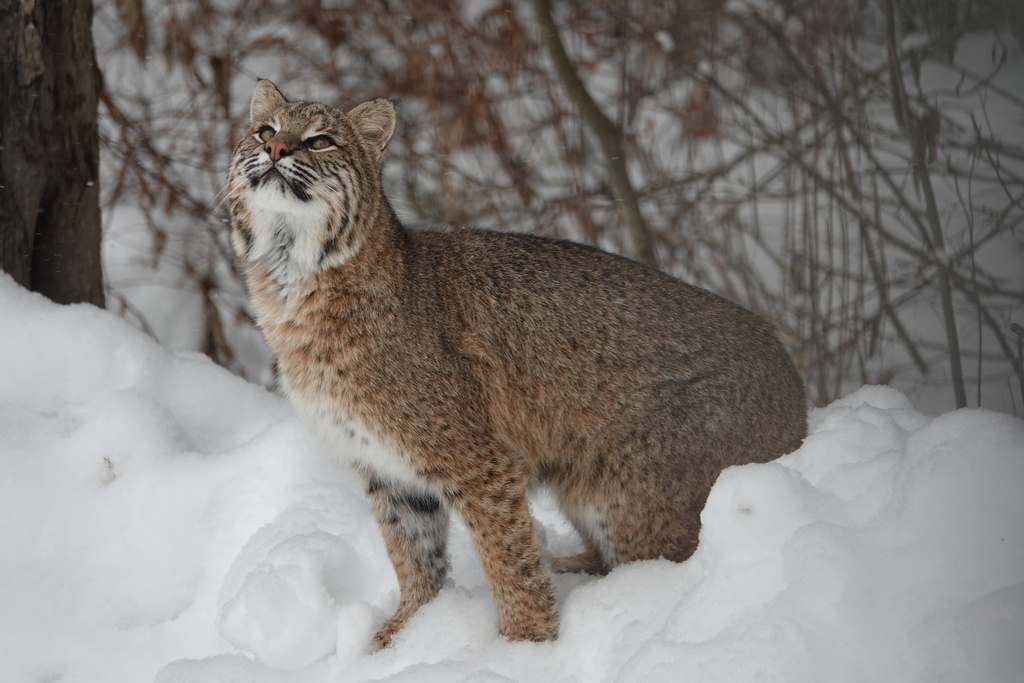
<point>265,133</point>
<point>319,142</point>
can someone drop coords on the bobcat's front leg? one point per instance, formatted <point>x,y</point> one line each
<point>496,512</point>
<point>415,529</point>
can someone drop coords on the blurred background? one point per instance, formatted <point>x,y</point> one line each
<point>852,170</point>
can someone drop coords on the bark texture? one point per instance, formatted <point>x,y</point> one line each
<point>49,168</point>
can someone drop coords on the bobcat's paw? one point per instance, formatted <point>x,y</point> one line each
<point>589,562</point>
<point>533,617</point>
<point>535,631</point>
<point>391,627</point>
<point>383,637</point>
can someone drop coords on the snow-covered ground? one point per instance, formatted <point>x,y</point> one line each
<point>163,519</point>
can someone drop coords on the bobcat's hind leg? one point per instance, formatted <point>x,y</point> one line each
<point>598,556</point>
<point>589,561</point>
<point>415,529</point>
<point>665,523</point>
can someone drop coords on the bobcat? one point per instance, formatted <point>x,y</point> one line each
<point>456,370</point>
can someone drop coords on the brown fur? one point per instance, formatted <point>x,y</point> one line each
<point>456,370</point>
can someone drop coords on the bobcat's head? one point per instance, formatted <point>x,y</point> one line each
<point>303,177</point>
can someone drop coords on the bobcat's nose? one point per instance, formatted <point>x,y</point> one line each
<point>277,149</point>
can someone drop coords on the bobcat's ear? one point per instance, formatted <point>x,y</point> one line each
<point>375,121</point>
<point>265,99</point>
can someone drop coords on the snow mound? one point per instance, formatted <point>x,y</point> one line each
<point>163,520</point>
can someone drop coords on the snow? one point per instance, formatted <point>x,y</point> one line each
<point>162,519</point>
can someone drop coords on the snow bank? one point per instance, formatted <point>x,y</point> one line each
<point>163,520</point>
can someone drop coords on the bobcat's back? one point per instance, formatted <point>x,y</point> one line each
<point>574,345</point>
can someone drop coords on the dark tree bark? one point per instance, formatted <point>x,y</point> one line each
<point>49,175</point>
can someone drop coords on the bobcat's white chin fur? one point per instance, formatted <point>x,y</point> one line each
<point>289,235</point>
<point>288,244</point>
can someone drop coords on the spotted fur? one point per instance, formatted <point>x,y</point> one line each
<point>456,370</point>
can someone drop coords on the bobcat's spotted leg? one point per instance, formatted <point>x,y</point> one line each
<point>415,528</point>
<point>497,514</point>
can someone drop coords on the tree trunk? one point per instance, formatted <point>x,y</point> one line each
<point>49,168</point>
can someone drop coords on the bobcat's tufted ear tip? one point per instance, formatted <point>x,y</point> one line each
<point>265,99</point>
<point>375,121</point>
